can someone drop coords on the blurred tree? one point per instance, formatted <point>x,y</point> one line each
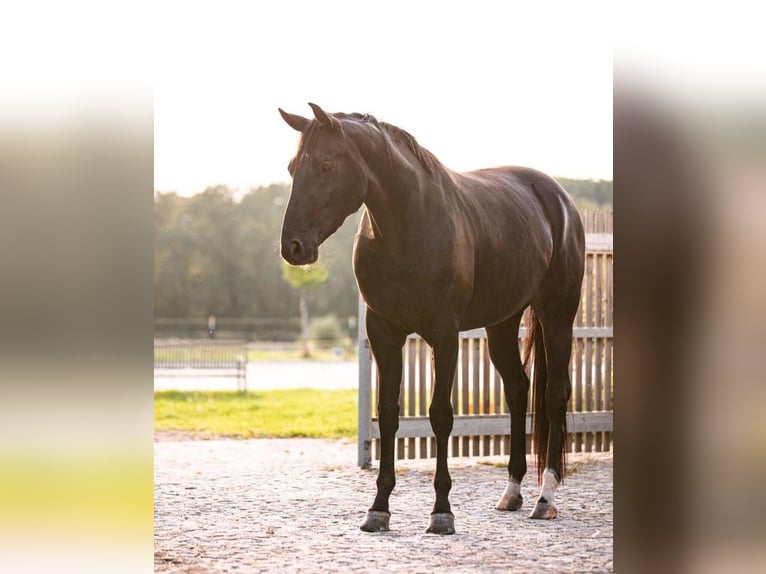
<point>216,252</point>
<point>589,193</point>
<point>302,279</point>
<point>215,267</point>
<point>173,252</point>
<point>260,282</point>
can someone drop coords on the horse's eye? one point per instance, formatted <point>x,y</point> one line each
<point>327,166</point>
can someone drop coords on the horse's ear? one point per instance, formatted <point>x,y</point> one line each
<point>295,121</point>
<point>323,117</point>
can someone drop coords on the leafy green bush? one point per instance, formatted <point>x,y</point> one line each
<point>327,331</point>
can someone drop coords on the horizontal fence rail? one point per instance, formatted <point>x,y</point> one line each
<point>482,420</point>
<point>202,358</point>
<point>493,425</point>
<point>229,328</point>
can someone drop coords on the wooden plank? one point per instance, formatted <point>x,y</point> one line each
<point>402,394</point>
<point>412,384</point>
<point>465,345</point>
<point>423,392</point>
<point>455,402</point>
<point>577,387</point>
<point>599,344</point>
<point>586,332</point>
<point>364,403</point>
<point>475,388</point>
<point>485,397</point>
<point>599,242</point>
<point>432,380</point>
<point>589,321</point>
<point>468,426</point>
<point>577,359</point>
<point>609,320</point>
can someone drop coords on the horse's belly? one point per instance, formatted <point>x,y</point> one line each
<point>414,308</point>
<point>479,289</point>
<point>483,312</point>
<point>500,291</point>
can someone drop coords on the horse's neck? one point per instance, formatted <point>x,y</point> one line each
<point>399,191</point>
<point>395,203</point>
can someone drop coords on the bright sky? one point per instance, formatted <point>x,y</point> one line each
<point>479,84</point>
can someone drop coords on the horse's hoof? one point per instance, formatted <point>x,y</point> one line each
<point>544,511</point>
<point>511,499</point>
<point>376,521</point>
<point>442,523</point>
<point>509,502</point>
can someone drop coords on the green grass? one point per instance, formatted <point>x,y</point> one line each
<point>284,413</point>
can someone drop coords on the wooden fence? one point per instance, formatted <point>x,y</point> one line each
<point>482,422</point>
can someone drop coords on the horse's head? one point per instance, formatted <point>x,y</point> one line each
<point>329,184</point>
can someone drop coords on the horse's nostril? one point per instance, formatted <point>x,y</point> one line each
<point>294,248</point>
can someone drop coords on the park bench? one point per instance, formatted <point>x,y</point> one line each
<point>202,358</point>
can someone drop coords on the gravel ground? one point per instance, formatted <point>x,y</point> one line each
<point>295,505</point>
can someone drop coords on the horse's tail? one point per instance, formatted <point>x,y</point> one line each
<point>535,347</point>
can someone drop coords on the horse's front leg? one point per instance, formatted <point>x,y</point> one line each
<point>440,413</point>
<point>386,346</point>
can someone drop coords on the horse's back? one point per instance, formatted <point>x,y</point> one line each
<point>534,195</point>
<point>527,233</point>
<point>563,277</point>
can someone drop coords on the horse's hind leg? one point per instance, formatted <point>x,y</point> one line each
<point>557,338</point>
<point>503,340</point>
<point>387,349</point>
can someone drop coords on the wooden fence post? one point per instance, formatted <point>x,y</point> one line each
<point>365,390</point>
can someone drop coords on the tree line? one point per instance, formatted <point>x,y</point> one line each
<point>217,253</point>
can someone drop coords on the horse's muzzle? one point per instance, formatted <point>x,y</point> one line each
<point>297,252</point>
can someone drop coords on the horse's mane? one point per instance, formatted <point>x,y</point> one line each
<point>392,135</point>
<point>399,137</point>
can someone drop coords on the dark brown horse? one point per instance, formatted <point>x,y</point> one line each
<point>438,252</point>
